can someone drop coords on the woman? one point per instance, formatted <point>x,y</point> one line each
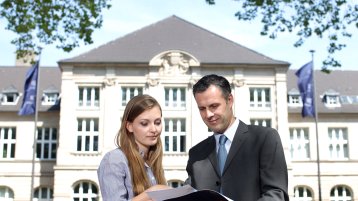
<point>126,173</point>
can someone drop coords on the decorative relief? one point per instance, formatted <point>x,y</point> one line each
<point>192,81</point>
<point>109,81</point>
<point>152,82</point>
<point>238,82</point>
<point>174,62</point>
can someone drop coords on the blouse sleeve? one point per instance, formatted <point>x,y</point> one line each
<point>114,178</point>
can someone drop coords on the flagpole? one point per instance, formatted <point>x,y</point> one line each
<point>35,130</point>
<point>316,123</point>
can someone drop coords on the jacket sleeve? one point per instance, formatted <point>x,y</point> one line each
<point>273,169</point>
<point>114,178</point>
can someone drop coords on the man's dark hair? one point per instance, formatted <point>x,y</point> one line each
<point>219,81</point>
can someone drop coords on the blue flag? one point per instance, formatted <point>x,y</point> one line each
<point>28,106</point>
<point>305,86</point>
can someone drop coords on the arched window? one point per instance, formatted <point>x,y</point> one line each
<point>175,183</point>
<point>43,194</point>
<point>340,193</point>
<point>6,194</point>
<point>302,193</point>
<point>85,191</point>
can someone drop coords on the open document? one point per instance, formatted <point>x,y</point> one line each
<point>186,193</point>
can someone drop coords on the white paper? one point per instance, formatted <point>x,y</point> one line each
<point>160,195</point>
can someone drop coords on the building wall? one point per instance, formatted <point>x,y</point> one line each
<point>72,167</point>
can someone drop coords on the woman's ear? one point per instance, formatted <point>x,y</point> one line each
<point>129,126</point>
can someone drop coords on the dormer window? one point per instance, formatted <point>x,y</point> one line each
<point>294,98</point>
<point>331,99</point>
<point>9,96</point>
<point>50,96</point>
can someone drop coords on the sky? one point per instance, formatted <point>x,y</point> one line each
<point>127,16</point>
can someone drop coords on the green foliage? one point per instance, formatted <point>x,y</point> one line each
<point>322,18</point>
<point>60,22</point>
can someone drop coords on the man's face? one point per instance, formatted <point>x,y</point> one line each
<point>214,109</point>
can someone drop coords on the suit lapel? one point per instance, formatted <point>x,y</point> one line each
<point>239,138</point>
<point>212,155</point>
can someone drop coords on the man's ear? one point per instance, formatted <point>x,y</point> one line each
<point>231,99</point>
<point>129,126</point>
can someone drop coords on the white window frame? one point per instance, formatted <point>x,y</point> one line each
<point>304,191</point>
<point>43,194</point>
<point>299,144</point>
<point>175,97</point>
<point>7,192</point>
<point>257,93</point>
<point>89,101</point>
<point>338,143</point>
<point>9,142</point>
<point>345,196</point>
<point>46,143</point>
<point>87,139</point>
<point>5,97</point>
<point>81,195</point>
<point>128,92</point>
<point>294,100</point>
<point>172,138</point>
<point>175,183</point>
<point>261,122</point>
<point>49,98</point>
<point>332,101</point>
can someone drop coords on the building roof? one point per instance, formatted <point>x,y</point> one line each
<point>173,33</point>
<point>338,82</point>
<point>14,78</point>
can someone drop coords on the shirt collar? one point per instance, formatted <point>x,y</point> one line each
<point>230,132</point>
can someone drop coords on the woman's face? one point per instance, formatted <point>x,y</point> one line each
<point>146,128</point>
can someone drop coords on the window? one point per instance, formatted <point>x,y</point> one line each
<point>175,98</point>
<point>299,143</point>
<point>46,143</point>
<point>174,135</point>
<point>338,143</point>
<point>346,99</point>
<point>175,183</point>
<point>302,193</point>
<point>294,98</point>
<point>85,191</point>
<point>87,137</point>
<point>332,101</point>
<point>340,193</point>
<point>6,194</point>
<point>130,92</point>
<point>49,98</point>
<point>43,194</point>
<point>260,98</point>
<point>7,142</point>
<point>9,98</point>
<point>88,97</point>
<point>261,122</point>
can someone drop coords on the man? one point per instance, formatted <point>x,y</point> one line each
<point>255,166</point>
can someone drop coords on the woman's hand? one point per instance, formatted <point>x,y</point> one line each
<point>158,187</point>
<point>144,196</point>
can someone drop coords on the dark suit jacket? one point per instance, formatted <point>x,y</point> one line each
<point>255,167</point>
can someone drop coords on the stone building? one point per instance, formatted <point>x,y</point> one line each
<point>82,102</point>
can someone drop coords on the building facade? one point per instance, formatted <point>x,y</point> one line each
<point>82,102</point>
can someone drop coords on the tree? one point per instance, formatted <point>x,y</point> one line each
<point>43,22</point>
<point>323,18</point>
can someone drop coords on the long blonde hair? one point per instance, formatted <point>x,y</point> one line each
<point>136,106</point>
